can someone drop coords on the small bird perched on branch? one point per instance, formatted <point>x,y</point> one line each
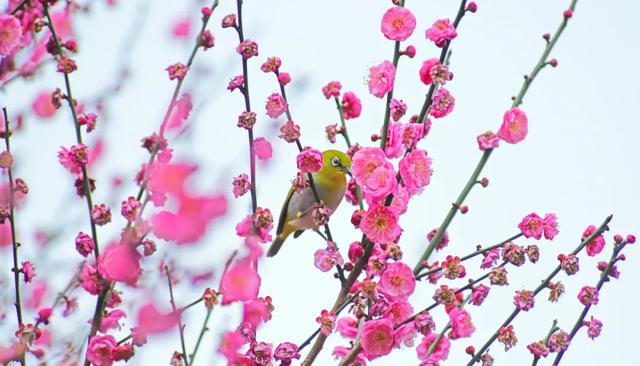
<point>330,183</point>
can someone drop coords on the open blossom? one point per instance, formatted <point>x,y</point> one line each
<point>326,259</point>
<point>377,338</point>
<point>490,258</point>
<point>461,326</point>
<point>339,352</point>
<point>247,48</point>
<point>440,351</point>
<point>531,226</point>
<point>380,183</point>
<point>42,105</point>
<point>272,64</point>
<point>10,35</point>
<point>285,353</point>
<point>262,148</point>
<point>380,225</point>
<point>332,89</point>
<point>443,103</point>
<point>130,208</point>
<point>444,241</point>
<point>393,147</point>
<point>559,341</point>
<point>507,336</point>
<point>289,131</point>
<point>424,323</point>
<point>351,105</point>
<point>84,244</point>
<point>487,141</point>
<point>452,268</point>
<point>240,282</point>
<point>569,263</point>
<point>237,82</point>
<point>347,327</point>
<point>397,108</point>
<point>524,300</point>
<point>366,161</point>
<point>398,23</point>
<point>538,349</point>
<point>594,327</point>
<point>441,32</point>
<point>177,71</point>
<point>479,294</point>
<point>75,158</point>
<point>514,126</point>
<point>550,225</point>
<point>415,170</point>
<point>309,160</point>
<point>111,320</point>
<point>276,105</point>
<point>398,311</point>
<point>89,279</point>
<point>381,78</point>
<point>588,295</point>
<point>100,350</point>
<point>397,281</point>
<point>327,322</point>
<point>241,185</point>
<point>596,245</point>
<point>120,263</point>
<point>432,71</point>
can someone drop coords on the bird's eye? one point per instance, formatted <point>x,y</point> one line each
<point>335,161</point>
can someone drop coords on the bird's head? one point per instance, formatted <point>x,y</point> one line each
<point>336,163</point>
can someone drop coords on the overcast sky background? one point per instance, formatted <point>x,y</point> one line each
<point>578,161</point>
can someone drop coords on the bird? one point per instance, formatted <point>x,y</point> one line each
<point>330,182</point>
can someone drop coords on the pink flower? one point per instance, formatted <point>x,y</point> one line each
<point>397,281</point>
<point>150,320</point>
<point>230,345</point>
<point>237,82</point>
<point>28,271</point>
<point>398,23</point>
<point>550,226</point>
<point>191,220</point>
<point>588,295</point>
<point>84,244</point>
<point>479,294</point>
<point>538,349</point>
<point>309,160</point>
<point>241,185</point>
<point>257,311</point>
<point>594,327</point>
<point>400,200</point>
<point>398,311</point>
<point>100,350</point>
<point>351,105</point>
<point>101,214</point>
<point>524,300</point>
<point>177,71</point>
<point>443,103</point>
<point>180,112</point>
<point>74,158</point>
<point>120,263</point>
<point>276,105</point>
<point>262,148</point>
<point>488,140</point>
<point>182,28</point>
<point>452,268</point>
<point>398,108</point>
<point>253,234</point>
<point>415,170</point>
<point>531,226</point>
<point>461,326</point>
<point>347,327</point>
<point>380,183</point>
<point>241,282</point>
<point>597,244</point>
<point>514,126</point>
<point>327,322</point>
<point>289,131</point>
<point>380,225</point>
<point>559,341</point>
<point>424,323</point>
<point>441,31</point>
<point>404,335</point>
<point>130,208</point>
<point>285,353</point>
<point>111,320</point>
<point>425,70</point>
<point>42,105</point>
<point>332,89</point>
<point>10,35</point>
<point>247,48</point>
<point>44,315</point>
<point>393,147</point>
<point>377,338</point>
<point>365,162</point>
<point>89,279</point>
<point>326,259</point>
<point>444,241</point>
<point>440,351</point>
<point>381,78</point>
<point>271,64</point>
<point>339,352</point>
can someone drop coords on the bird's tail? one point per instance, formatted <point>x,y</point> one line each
<point>277,244</point>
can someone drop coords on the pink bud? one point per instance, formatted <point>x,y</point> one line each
<point>546,37</point>
<point>553,62</point>
<point>284,78</point>
<point>410,51</point>
<point>631,239</point>
<point>71,45</point>
<point>618,238</point>
<point>567,13</point>
<point>206,12</point>
<point>472,7</point>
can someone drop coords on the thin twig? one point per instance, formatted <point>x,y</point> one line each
<point>185,357</point>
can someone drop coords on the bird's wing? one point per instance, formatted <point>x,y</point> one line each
<point>283,212</point>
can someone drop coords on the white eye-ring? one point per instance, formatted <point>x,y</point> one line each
<point>335,161</point>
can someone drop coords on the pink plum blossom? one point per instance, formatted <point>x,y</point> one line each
<point>326,259</point>
<point>377,338</point>
<point>309,160</point>
<point>262,147</point>
<point>441,32</point>
<point>380,225</point>
<point>381,79</point>
<point>461,326</point>
<point>488,141</point>
<point>398,23</point>
<point>351,105</point>
<point>596,245</point>
<point>397,281</point>
<point>514,126</point>
<point>276,105</point>
<point>531,226</point>
<point>240,282</point>
<point>100,350</point>
<point>42,105</point>
<point>10,35</point>
<point>120,263</point>
<point>415,170</point>
<point>443,103</point>
<point>440,351</point>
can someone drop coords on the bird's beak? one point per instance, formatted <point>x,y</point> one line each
<point>348,171</point>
